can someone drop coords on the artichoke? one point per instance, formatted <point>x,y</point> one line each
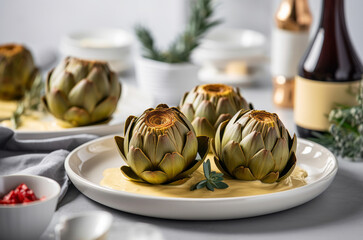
<point>81,92</point>
<point>161,147</point>
<point>208,105</point>
<point>17,71</point>
<point>254,145</point>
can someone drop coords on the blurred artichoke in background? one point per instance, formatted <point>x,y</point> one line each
<point>160,147</point>
<point>255,145</point>
<point>208,105</point>
<point>17,71</point>
<point>81,92</point>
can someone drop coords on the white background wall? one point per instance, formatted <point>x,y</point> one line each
<point>42,22</point>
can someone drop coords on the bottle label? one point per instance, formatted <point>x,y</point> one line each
<point>315,99</point>
<point>286,51</point>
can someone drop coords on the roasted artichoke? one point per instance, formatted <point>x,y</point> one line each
<point>254,145</point>
<point>208,105</point>
<point>17,71</point>
<point>160,147</point>
<point>81,92</point>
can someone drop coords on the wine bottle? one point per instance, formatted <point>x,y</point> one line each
<point>290,38</point>
<point>328,73</point>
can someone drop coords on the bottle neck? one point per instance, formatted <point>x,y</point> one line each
<point>293,15</point>
<point>332,15</point>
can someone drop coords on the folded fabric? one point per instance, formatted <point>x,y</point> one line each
<point>39,157</point>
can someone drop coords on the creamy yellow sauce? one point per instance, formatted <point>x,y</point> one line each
<point>113,178</point>
<point>7,108</point>
<point>37,122</point>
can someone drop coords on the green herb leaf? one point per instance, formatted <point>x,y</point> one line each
<point>30,102</point>
<point>181,48</point>
<point>212,179</point>
<point>345,136</point>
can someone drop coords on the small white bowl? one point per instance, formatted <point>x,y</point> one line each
<point>110,45</point>
<point>27,221</point>
<point>223,45</point>
<point>166,82</point>
<point>84,225</point>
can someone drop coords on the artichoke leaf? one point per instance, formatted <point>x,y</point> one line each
<point>131,175</point>
<point>222,118</point>
<point>243,173</point>
<point>261,164</point>
<point>57,103</point>
<point>99,78</point>
<point>220,165</point>
<point>218,137</point>
<point>232,133</point>
<point>172,164</point>
<point>138,160</point>
<point>203,150</point>
<point>128,132</point>
<point>203,127</point>
<point>290,166</point>
<point>164,145</point>
<point>233,152</point>
<point>251,144</point>
<point>280,154</point>
<point>188,111</point>
<point>190,148</point>
<point>149,146</point>
<point>206,110</point>
<point>120,146</point>
<point>270,178</point>
<point>104,109</point>
<point>225,106</point>
<point>154,177</point>
<point>84,94</point>
<point>77,116</point>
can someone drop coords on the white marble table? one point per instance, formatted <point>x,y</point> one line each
<point>335,214</point>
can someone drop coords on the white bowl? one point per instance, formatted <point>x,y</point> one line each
<point>234,39</point>
<point>110,45</point>
<point>84,225</point>
<point>166,82</point>
<point>223,45</point>
<point>27,221</point>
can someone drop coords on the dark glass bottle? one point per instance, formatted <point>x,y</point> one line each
<point>329,69</point>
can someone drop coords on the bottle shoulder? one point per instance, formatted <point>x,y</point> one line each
<point>330,58</point>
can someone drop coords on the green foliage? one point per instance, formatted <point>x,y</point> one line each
<point>212,179</point>
<point>30,102</point>
<point>181,48</point>
<point>345,137</point>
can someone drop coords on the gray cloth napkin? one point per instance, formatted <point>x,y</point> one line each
<point>39,157</point>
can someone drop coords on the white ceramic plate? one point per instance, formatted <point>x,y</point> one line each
<point>133,102</point>
<point>85,165</point>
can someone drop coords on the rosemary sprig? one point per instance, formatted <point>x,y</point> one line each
<point>30,102</point>
<point>345,136</point>
<point>181,48</point>
<point>212,179</point>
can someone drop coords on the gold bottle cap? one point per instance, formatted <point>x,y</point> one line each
<point>293,15</point>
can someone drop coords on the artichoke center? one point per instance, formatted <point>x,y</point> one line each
<point>159,118</point>
<point>10,50</point>
<point>216,89</point>
<point>264,117</point>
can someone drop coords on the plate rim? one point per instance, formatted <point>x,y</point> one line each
<point>72,174</point>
